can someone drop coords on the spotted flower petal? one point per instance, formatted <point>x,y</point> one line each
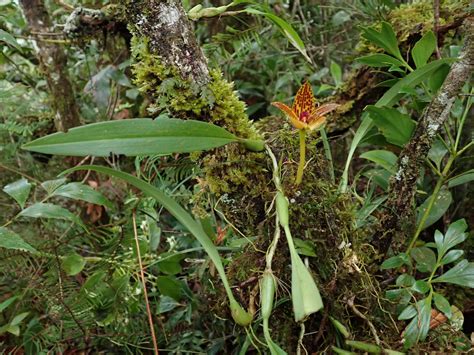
<point>304,114</point>
<point>291,115</point>
<point>305,102</point>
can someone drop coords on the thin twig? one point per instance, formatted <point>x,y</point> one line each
<point>145,293</point>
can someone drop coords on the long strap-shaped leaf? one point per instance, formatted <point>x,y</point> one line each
<point>138,136</point>
<point>238,313</point>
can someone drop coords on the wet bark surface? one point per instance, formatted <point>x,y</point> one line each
<point>53,63</point>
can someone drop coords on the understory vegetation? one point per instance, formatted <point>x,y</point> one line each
<point>262,177</point>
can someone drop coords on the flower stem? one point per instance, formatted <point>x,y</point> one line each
<point>299,174</point>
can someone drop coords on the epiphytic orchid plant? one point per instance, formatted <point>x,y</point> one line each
<point>304,115</point>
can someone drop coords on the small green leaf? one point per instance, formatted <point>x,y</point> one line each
<point>379,60</point>
<point>408,313</point>
<point>452,256</point>
<point>304,247</point>
<point>392,263</point>
<point>4,305</point>
<point>340,17</point>
<point>440,206</point>
<point>11,240</point>
<point>454,236</point>
<point>461,274</point>
<point>423,49</point>
<point>287,30</point>
<point>460,179</point>
<point>442,304</point>
<point>170,286</point>
<point>437,153</point>
<point>19,190</point>
<point>166,304</point>
<point>421,286</point>
<point>9,39</point>
<point>336,73</point>
<point>436,79</point>
<point>385,38</point>
<point>425,259</point>
<point>19,318</point>
<point>384,158</point>
<point>171,265</point>
<point>73,264</point>
<point>418,328</point>
<point>396,127</point>
<point>78,191</point>
<point>48,210</point>
<point>405,280</point>
<point>134,137</point>
<point>51,185</point>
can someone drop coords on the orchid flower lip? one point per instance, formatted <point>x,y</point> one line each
<point>306,112</point>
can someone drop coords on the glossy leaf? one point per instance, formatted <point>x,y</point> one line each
<point>454,236</point>
<point>384,158</point>
<point>442,304</point>
<point>48,210</point>
<point>452,256</point>
<point>379,60</point>
<point>385,38</point>
<point>51,185</point>
<point>19,190</point>
<point>440,206</point>
<point>423,49</point>
<point>392,263</point>
<point>73,264</point>
<point>134,137</point>
<point>395,126</point>
<point>436,79</point>
<point>408,313</point>
<point>240,316</point>
<point>336,73</point>
<point>460,179</point>
<point>461,274</point>
<point>425,259</point>
<point>418,328</point>
<point>405,280</point>
<point>78,191</point>
<point>287,30</point>
<point>5,304</point>
<point>7,38</point>
<point>11,240</point>
<point>170,286</point>
<point>421,286</point>
<point>437,152</point>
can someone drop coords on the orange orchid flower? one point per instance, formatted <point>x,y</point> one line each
<point>304,114</point>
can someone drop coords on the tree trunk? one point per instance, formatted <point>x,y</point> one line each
<point>53,63</point>
<point>403,185</point>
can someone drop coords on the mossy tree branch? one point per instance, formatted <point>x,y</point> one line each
<point>53,63</point>
<point>403,185</point>
<point>170,35</point>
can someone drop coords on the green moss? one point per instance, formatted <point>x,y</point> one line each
<point>417,16</point>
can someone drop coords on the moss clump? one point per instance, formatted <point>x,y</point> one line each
<point>417,18</point>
